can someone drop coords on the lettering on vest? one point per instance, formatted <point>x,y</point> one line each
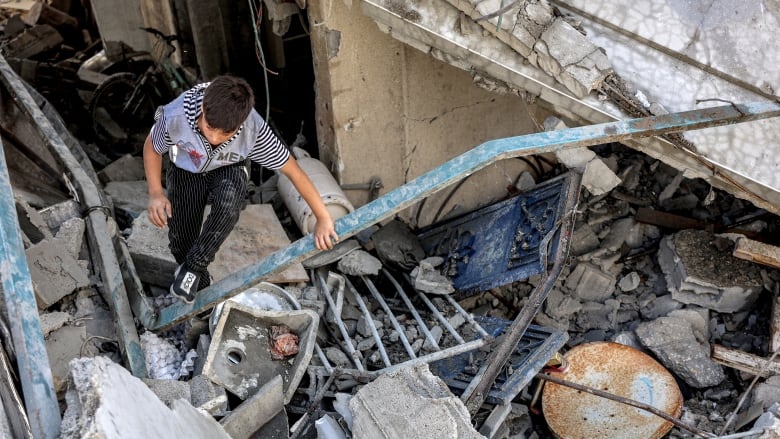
<point>231,157</point>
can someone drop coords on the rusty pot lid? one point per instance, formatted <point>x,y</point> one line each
<point>620,370</point>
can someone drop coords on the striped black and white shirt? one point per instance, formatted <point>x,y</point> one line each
<point>268,150</point>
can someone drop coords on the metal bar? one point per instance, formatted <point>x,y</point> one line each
<point>468,316</point>
<point>411,307</point>
<point>35,374</point>
<point>478,389</point>
<point>438,315</point>
<point>99,238</point>
<point>396,325</point>
<point>343,329</point>
<point>369,321</point>
<point>452,171</point>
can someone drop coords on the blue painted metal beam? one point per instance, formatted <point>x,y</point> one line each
<point>34,371</point>
<point>448,173</point>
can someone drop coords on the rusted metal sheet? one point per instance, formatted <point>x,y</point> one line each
<point>629,373</point>
<point>450,172</point>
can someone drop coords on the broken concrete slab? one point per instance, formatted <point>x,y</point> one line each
<point>56,214</point>
<point>51,321</point>
<point>125,168</point>
<point>71,235</point>
<point>104,401</point>
<point>767,393</point>
<point>208,396</point>
<point>700,270</point>
<point>673,341</point>
<point>588,282</point>
<point>131,197</point>
<point>257,234</point>
<point>62,346</point>
<point>359,263</point>
<point>55,272</point>
<point>428,279</point>
<point>169,390</point>
<point>248,418</point>
<point>383,408</point>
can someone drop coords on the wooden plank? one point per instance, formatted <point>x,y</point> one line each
<point>744,361</point>
<point>667,220</point>
<point>257,235</point>
<point>758,252</point>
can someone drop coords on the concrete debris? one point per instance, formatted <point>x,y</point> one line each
<point>62,346</point>
<point>427,278</point>
<point>700,270</point>
<point>51,321</point>
<point>130,197</point>
<point>57,214</point>
<point>208,396</point>
<point>673,341</point>
<point>359,263</point>
<point>396,246</point>
<point>629,282</point>
<point>588,282</point>
<point>767,393</point>
<point>55,272</point>
<point>125,168</point>
<point>770,423</point>
<point>104,401</point>
<point>383,408</point>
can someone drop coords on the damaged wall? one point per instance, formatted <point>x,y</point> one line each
<point>408,112</point>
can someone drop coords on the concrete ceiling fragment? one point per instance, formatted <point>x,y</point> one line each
<point>637,60</point>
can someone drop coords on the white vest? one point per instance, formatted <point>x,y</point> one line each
<point>189,152</point>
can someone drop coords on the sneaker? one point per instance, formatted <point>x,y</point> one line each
<point>185,284</point>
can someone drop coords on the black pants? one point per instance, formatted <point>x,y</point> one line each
<point>225,189</point>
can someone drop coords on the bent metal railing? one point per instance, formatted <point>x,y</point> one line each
<point>446,174</point>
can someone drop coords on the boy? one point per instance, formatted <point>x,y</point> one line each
<point>208,132</point>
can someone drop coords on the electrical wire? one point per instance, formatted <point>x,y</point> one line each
<point>256,17</point>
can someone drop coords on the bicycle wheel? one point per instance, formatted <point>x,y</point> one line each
<point>121,115</point>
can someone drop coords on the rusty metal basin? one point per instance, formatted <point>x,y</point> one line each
<point>620,370</point>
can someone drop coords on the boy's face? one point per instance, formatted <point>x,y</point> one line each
<point>214,136</point>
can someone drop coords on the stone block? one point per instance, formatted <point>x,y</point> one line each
<point>673,341</point>
<point>169,390</point>
<point>568,55</point>
<point>255,412</point>
<point>590,283</point>
<point>62,346</point>
<point>104,401</point>
<point>131,197</point>
<point>125,168</point>
<point>239,357</point>
<point>55,272</point>
<point>385,407</point>
<point>700,270</point>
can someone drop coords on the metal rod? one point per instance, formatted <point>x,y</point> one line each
<point>412,310</point>
<point>401,334</point>
<point>35,375</point>
<point>623,400</point>
<point>452,171</point>
<point>469,318</point>
<point>369,321</point>
<point>443,320</point>
<point>478,389</point>
<point>439,355</point>
<point>343,329</point>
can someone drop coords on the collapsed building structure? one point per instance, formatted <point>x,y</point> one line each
<point>383,90</point>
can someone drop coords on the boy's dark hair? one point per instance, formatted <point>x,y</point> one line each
<point>227,102</point>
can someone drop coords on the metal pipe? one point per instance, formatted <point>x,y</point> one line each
<point>401,334</point>
<point>452,171</point>
<point>438,315</point>
<point>343,329</point>
<point>35,374</point>
<point>370,321</point>
<point>468,316</point>
<point>412,309</point>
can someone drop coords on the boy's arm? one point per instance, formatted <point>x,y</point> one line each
<point>159,208</point>
<point>324,232</point>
